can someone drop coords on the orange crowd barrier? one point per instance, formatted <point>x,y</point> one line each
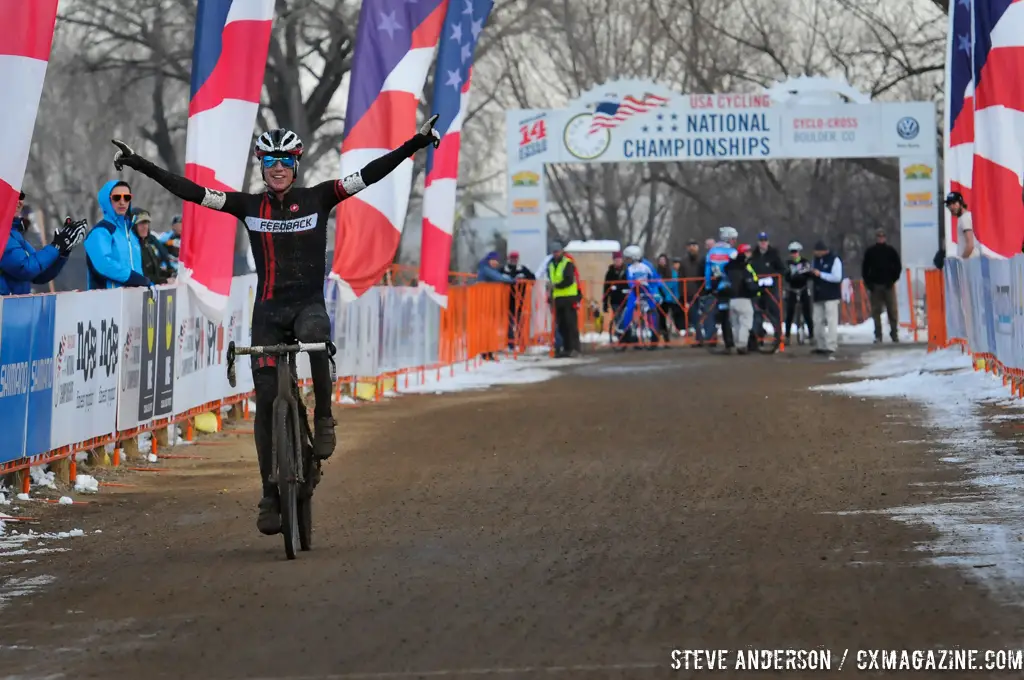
<point>935,309</point>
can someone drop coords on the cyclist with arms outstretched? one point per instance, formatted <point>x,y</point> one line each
<point>287,228</point>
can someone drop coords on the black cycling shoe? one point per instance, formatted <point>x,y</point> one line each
<point>269,520</point>
<point>324,440</point>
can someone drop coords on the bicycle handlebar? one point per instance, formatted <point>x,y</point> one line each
<point>274,350</point>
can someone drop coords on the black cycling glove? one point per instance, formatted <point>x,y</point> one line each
<point>69,235</point>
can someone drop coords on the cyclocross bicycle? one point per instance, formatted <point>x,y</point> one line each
<point>641,332</point>
<point>296,471</point>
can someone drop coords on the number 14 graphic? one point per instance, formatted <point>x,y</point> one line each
<point>532,133</point>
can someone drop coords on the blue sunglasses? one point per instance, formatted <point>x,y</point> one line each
<point>271,161</point>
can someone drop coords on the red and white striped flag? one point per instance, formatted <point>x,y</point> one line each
<point>984,153</point>
<point>229,59</point>
<point>462,28</point>
<point>26,34</point>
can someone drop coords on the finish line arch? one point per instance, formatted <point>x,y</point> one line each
<point>635,121</point>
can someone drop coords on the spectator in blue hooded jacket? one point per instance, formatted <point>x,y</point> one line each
<point>112,248</point>
<point>488,272</point>
<point>22,265</point>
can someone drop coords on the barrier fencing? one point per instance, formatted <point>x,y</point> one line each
<point>82,370</point>
<point>978,305</point>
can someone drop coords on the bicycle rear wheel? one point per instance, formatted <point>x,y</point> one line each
<point>287,486</point>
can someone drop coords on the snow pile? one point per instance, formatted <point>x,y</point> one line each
<point>86,484</point>
<point>41,477</point>
<point>860,334</point>
<point>593,246</point>
<point>983,522</point>
<point>177,438</point>
<point>519,371</point>
<point>864,333</point>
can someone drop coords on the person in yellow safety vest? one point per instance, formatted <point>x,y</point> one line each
<point>564,294</point>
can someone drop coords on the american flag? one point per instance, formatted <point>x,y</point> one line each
<point>985,120</point>
<point>26,33</point>
<point>610,114</point>
<point>229,57</point>
<point>462,29</point>
<point>394,47</point>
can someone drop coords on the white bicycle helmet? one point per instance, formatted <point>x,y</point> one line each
<point>279,141</point>
<point>633,253</point>
<point>795,246</point>
<point>727,234</point>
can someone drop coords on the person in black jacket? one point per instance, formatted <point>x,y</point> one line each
<point>798,274</point>
<point>691,271</point>
<point>518,299</point>
<point>881,270</point>
<point>743,293</point>
<point>768,264</point>
<point>615,290</point>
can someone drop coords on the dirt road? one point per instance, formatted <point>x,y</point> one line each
<point>581,527</point>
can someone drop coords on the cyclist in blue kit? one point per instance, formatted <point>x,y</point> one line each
<point>644,287</point>
<point>717,283</point>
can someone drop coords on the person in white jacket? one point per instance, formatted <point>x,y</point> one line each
<point>827,275</point>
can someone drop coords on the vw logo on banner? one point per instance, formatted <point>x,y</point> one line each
<point>908,127</point>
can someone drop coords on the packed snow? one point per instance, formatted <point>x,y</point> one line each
<point>982,522</point>
<point>859,334</point>
<point>506,371</point>
<point>86,484</point>
<point>42,477</point>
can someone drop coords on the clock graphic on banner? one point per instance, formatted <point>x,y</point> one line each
<point>582,140</point>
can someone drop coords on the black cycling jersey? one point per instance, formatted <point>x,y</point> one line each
<point>288,235</point>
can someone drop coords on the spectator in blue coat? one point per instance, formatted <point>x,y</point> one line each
<point>488,270</point>
<point>112,248</point>
<point>22,265</point>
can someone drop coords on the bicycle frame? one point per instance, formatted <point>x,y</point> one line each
<point>293,455</point>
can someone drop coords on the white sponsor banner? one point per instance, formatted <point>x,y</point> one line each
<point>87,342</point>
<point>137,382</point>
<point>190,353</point>
<point>237,329</point>
<point>200,356</point>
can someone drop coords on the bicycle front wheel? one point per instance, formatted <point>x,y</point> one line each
<point>287,484</point>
